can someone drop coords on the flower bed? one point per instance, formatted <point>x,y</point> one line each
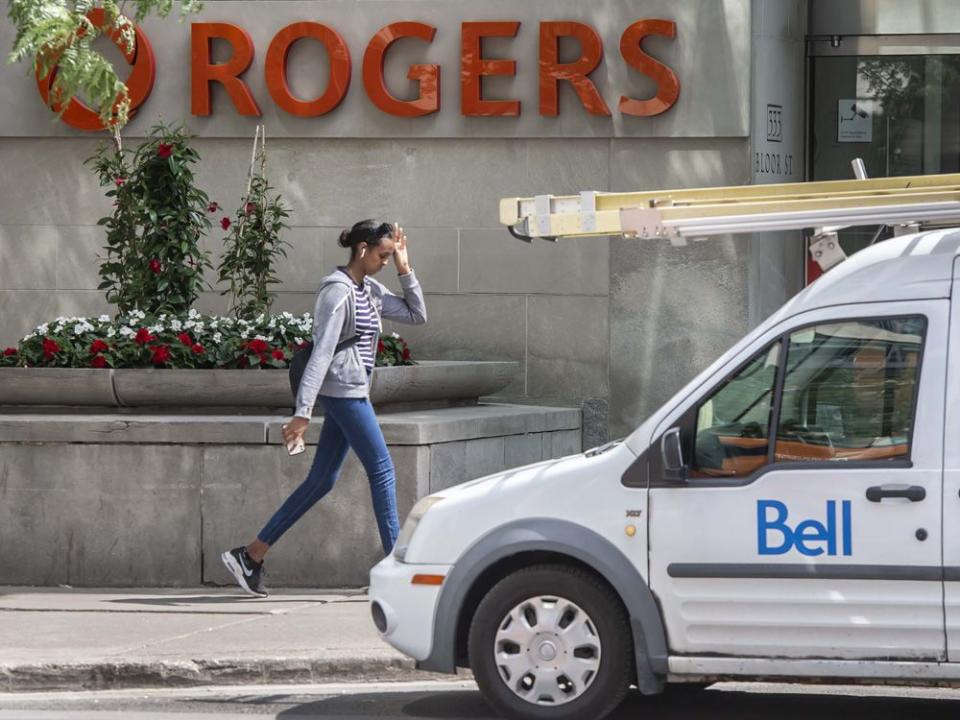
<point>195,341</point>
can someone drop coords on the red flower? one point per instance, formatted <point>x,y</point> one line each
<point>197,349</point>
<point>164,150</point>
<point>258,346</point>
<point>249,208</point>
<point>161,353</point>
<point>225,223</point>
<point>99,361</point>
<point>185,339</point>
<point>98,346</point>
<point>406,353</point>
<point>155,266</point>
<point>213,207</point>
<point>9,352</point>
<point>143,337</point>
<point>50,348</point>
<point>277,354</point>
<point>120,181</point>
<point>380,346</point>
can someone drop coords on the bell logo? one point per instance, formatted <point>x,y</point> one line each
<point>139,84</point>
<point>810,537</point>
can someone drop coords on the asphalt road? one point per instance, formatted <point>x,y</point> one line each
<point>461,701</point>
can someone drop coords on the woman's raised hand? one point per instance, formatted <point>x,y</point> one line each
<point>400,256</point>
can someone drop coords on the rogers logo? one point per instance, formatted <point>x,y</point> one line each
<point>139,84</point>
<point>551,71</point>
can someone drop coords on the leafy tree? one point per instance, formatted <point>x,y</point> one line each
<point>59,33</point>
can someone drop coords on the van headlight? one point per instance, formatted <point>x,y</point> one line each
<point>410,526</point>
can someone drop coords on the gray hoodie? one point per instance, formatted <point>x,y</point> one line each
<point>342,374</point>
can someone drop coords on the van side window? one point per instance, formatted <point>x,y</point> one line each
<point>849,391</point>
<point>732,437</point>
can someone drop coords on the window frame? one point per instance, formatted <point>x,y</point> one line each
<point>646,471</point>
<point>774,405</point>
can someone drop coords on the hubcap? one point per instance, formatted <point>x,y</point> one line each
<point>547,650</point>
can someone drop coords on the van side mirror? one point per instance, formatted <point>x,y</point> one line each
<point>671,455</point>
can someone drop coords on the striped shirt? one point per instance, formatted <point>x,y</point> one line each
<point>367,325</point>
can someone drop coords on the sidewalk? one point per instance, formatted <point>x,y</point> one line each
<point>71,639</point>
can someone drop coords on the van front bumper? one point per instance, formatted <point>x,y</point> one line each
<point>404,613</point>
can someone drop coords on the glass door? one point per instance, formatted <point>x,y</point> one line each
<point>892,101</point>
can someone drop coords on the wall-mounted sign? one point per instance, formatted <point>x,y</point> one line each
<point>473,65</point>
<point>855,120</point>
<point>774,123</point>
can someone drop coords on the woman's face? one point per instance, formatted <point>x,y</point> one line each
<point>376,257</point>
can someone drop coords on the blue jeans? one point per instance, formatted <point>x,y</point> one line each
<point>347,423</point>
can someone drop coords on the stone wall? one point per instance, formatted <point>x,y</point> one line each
<point>152,500</point>
<point>617,324</point>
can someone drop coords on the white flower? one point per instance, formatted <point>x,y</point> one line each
<point>127,332</point>
<point>217,337</point>
<point>79,329</point>
<point>244,334</point>
<point>395,335</point>
<point>104,318</point>
<point>156,329</point>
<point>111,332</point>
<point>261,337</point>
<point>175,324</point>
<point>298,340</point>
<point>43,329</point>
<point>214,324</point>
<point>193,313</point>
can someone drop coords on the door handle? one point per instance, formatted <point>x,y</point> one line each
<point>913,493</point>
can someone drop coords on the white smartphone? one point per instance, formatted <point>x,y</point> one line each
<point>296,447</point>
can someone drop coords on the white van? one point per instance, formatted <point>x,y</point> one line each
<point>792,513</point>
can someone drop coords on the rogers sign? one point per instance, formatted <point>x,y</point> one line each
<point>473,67</point>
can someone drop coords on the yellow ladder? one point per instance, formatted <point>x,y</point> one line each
<point>691,214</point>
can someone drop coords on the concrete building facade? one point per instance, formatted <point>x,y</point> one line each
<point>612,325</point>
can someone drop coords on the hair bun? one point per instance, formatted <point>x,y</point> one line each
<point>344,239</point>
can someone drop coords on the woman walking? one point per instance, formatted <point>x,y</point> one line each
<point>346,328</point>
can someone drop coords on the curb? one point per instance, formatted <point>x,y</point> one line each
<point>108,675</point>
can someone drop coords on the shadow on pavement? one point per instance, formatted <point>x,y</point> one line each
<point>176,601</point>
<point>684,705</point>
<point>460,704</point>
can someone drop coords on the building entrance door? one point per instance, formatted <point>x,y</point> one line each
<point>892,100</point>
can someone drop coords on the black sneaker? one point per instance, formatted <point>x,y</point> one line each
<point>247,573</point>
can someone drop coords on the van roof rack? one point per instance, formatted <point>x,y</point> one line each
<point>905,203</point>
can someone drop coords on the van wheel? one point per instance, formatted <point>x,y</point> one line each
<point>551,642</point>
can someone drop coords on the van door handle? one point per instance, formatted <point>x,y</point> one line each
<point>913,493</point>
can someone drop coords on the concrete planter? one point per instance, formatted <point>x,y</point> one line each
<point>428,381</point>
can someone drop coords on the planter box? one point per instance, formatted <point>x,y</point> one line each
<point>429,381</point>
